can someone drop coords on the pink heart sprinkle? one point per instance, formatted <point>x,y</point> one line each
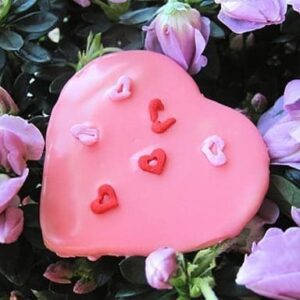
<point>87,135</point>
<point>213,147</point>
<point>121,90</point>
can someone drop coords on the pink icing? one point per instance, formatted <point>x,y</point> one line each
<point>87,135</point>
<point>121,90</point>
<point>213,147</point>
<point>190,205</point>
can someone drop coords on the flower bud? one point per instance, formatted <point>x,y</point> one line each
<point>59,272</point>
<point>84,286</point>
<point>161,265</point>
<point>259,102</point>
<point>181,33</point>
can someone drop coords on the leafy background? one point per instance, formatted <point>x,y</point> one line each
<point>34,69</point>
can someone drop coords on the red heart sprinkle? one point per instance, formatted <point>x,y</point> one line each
<point>154,107</point>
<point>100,206</point>
<point>160,127</point>
<point>153,163</point>
<point>157,126</point>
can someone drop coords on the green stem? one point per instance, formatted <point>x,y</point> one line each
<point>207,291</point>
<point>111,49</point>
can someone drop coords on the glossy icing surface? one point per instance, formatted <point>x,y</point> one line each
<point>187,204</point>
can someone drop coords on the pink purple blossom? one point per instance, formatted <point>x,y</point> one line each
<point>280,128</point>
<point>181,33</point>
<point>11,224</point>
<point>295,4</point>
<point>248,15</point>
<point>161,265</point>
<point>9,188</point>
<point>273,267</point>
<point>83,3</point>
<point>19,142</point>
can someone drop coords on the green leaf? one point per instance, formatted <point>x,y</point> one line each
<point>2,59</point>
<point>216,31</point>
<point>284,193</point>
<point>104,269</point>
<point>35,22</point>
<point>113,11</point>
<point>138,16</point>
<point>130,291</point>
<point>34,53</point>
<point>10,40</point>
<point>58,83</point>
<point>20,6</point>
<point>133,269</point>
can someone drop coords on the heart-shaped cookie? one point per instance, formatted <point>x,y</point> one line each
<point>214,180</point>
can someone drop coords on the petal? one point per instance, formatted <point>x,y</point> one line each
<point>292,96</point>
<point>239,26</point>
<point>151,40</point>
<point>271,117</point>
<point>199,60</point>
<point>11,225</point>
<point>170,45</point>
<point>28,133</point>
<point>282,286</point>
<point>9,187</point>
<point>295,212</point>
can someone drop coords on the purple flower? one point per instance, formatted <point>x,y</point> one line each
<point>179,32</point>
<point>295,213</point>
<point>59,272</point>
<point>259,102</point>
<point>248,15</point>
<point>295,4</point>
<point>7,104</point>
<point>19,142</point>
<point>9,188</point>
<point>11,224</point>
<point>83,3</point>
<point>161,265</point>
<point>273,267</point>
<point>280,128</point>
<point>255,229</point>
<point>84,286</point>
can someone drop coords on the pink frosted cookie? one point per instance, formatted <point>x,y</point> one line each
<point>137,158</point>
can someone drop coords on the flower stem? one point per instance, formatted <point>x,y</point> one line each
<point>207,291</point>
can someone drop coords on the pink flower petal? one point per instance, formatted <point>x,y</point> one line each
<point>9,187</point>
<point>28,133</point>
<point>295,212</point>
<point>11,225</point>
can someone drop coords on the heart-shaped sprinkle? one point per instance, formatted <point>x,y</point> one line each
<point>87,135</point>
<point>105,201</point>
<point>160,127</point>
<point>155,106</point>
<point>153,163</point>
<point>121,90</point>
<point>213,147</point>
